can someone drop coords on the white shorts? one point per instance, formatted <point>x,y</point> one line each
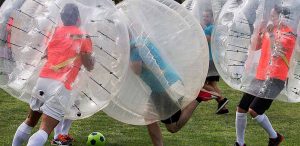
<point>51,98</point>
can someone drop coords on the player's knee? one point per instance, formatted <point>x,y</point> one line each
<point>252,112</point>
<point>172,128</point>
<point>240,110</point>
<point>32,119</point>
<point>31,122</point>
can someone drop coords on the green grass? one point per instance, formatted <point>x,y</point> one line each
<point>204,129</point>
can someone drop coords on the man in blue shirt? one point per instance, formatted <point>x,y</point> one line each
<point>166,85</point>
<point>213,76</point>
<point>162,79</point>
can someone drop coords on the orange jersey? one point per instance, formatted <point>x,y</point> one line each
<point>276,66</point>
<point>62,47</point>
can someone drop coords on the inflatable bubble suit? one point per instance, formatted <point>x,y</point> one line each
<point>49,41</point>
<point>6,60</point>
<point>217,6</point>
<point>255,47</point>
<point>169,61</point>
<point>197,8</point>
<point>202,11</point>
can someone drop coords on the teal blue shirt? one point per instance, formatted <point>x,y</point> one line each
<point>153,59</point>
<point>208,32</point>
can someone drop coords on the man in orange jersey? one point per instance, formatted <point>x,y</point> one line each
<point>67,51</point>
<point>277,45</point>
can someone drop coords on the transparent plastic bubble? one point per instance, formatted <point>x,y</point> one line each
<point>52,42</point>
<point>202,11</point>
<point>166,73</point>
<point>6,60</point>
<point>217,6</point>
<point>292,90</point>
<point>198,8</point>
<point>253,47</point>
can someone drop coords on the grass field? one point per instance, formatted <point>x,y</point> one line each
<point>204,129</point>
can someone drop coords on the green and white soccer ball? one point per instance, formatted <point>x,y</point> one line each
<point>95,139</point>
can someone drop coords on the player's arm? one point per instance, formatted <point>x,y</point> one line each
<point>135,59</point>
<point>256,41</point>
<point>208,33</point>
<point>136,66</point>
<point>45,55</point>
<point>87,59</point>
<point>208,37</point>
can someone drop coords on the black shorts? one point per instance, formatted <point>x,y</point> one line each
<point>173,119</point>
<point>164,106</point>
<point>260,105</point>
<point>213,79</point>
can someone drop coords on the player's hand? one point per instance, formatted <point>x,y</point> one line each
<point>270,27</point>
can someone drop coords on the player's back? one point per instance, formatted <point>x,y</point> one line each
<point>62,45</point>
<point>65,44</point>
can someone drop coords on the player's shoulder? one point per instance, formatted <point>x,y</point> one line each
<point>72,31</point>
<point>287,31</point>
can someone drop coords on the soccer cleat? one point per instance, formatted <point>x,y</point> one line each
<point>222,111</point>
<point>237,144</point>
<point>69,137</point>
<point>62,140</point>
<point>221,105</point>
<point>276,141</point>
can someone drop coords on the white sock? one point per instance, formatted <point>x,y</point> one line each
<point>38,139</point>
<point>264,122</point>
<point>22,134</point>
<point>66,126</point>
<point>58,129</point>
<point>240,127</point>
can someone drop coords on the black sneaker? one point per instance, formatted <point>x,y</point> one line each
<point>237,144</point>
<point>221,105</point>
<point>276,141</point>
<point>223,111</point>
